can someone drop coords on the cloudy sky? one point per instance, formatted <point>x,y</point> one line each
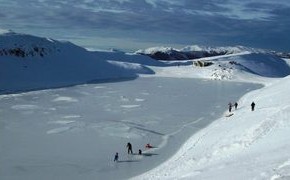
<point>134,24</point>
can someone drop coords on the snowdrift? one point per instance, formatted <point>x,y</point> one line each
<point>28,62</point>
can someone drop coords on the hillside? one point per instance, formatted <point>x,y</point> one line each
<point>245,66</point>
<point>247,145</point>
<point>28,62</point>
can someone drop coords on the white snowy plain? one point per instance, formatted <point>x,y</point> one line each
<point>73,132</point>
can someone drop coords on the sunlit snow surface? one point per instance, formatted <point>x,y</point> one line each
<point>74,132</point>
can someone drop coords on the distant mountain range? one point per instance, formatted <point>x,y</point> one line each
<point>195,52</point>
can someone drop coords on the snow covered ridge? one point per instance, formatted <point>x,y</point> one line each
<point>29,62</point>
<point>189,52</point>
<point>20,45</point>
<point>243,67</point>
<point>195,52</point>
<point>263,65</point>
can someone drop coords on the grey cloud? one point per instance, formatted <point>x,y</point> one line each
<point>141,21</point>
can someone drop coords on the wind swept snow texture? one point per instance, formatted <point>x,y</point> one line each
<point>29,63</point>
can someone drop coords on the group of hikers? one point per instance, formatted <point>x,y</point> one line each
<point>147,146</point>
<point>130,151</point>
<point>236,106</point>
<point>231,106</point>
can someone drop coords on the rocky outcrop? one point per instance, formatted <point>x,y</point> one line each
<point>202,63</point>
<point>20,52</point>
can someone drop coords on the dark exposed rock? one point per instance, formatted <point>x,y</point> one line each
<point>20,52</point>
<point>203,63</point>
<point>180,55</point>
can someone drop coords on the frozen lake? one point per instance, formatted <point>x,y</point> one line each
<point>73,133</point>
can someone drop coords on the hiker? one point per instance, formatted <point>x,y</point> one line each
<point>116,157</point>
<point>253,106</point>
<point>236,105</point>
<point>140,152</point>
<point>129,146</point>
<point>230,107</point>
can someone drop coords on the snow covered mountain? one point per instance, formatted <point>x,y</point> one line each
<point>264,65</point>
<point>28,62</point>
<point>195,52</point>
<point>188,52</point>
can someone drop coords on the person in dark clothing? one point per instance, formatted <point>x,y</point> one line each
<point>129,146</point>
<point>236,105</point>
<point>116,157</point>
<point>230,107</point>
<point>253,106</point>
<point>140,152</point>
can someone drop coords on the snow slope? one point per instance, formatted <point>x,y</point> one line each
<point>246,66</point>
<point>247,145</point>
<point>28,62</point>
